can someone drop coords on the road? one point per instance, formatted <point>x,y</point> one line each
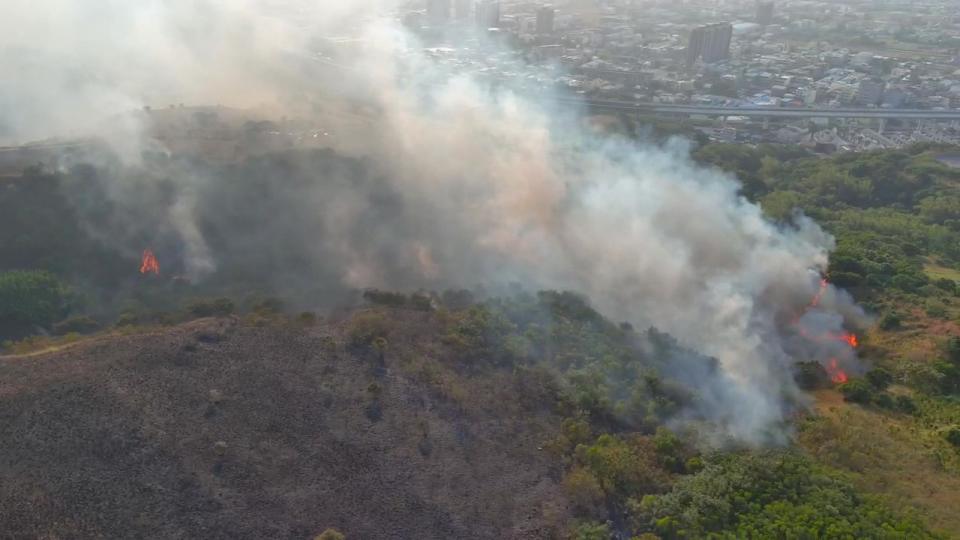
<point>769,112</point>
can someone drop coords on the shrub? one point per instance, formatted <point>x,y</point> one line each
<point>31,299</point>
<point>857,391</point>
<point>385,298</point>
<point>591,531</point>
<point>936,309</point>
<point>330,534</point>
<point>953,436</point>
<point>811,375</point>
<point>421,302</point>
<point>949,376</point>
<point>584,492</point>
<point>307,318</point>
<point>670,449</point>
<point>267,306</point>
<point>128,319</point>
<point>884,401</point>
<point>905,404</point>
<point>953,349</point>
<point>946,284</point>
<point>211,307</point>
<point>366,328</point>
<point>879,378</point>
<point>770,495</point>
<point>693,465</point>
<point>457,300</point>
<point>80,325</point>
<point>622,467</point>
<point>890,321</point>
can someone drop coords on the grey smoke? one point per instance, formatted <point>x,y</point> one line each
<point>450,183</point>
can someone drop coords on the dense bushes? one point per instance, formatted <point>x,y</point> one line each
<point>79,325</point>
<point>418,301</point>
<point>892,212</point>
<point>953,436</point>
<point>769,495</point>
<point>29,299</point>
<point>211,307</point>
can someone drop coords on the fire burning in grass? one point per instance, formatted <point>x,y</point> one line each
<point>149,263</point>
<point>837,374</point>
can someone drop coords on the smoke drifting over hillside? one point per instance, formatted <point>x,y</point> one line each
<point>450,184</point>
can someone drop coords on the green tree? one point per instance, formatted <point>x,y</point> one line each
<point>953,349</point>
<point>857,391</point>
<point>29,299</point>
<point>879,378</point>
<point>770,495</point>
<point>591,531</point>
<point>953,436</point>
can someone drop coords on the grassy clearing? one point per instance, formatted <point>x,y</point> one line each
<point>936,271</point>
<point>901,458</point>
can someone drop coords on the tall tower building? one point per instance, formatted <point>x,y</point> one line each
<point>764,13</point>
<point>545,18</point>
<point>710,42</point>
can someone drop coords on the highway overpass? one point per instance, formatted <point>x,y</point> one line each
<point>767,112</point>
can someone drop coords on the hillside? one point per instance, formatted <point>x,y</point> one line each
<point>142,403</point>
<point>215,429</point>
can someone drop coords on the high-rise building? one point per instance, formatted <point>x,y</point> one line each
<point>488,13</point>
<point>545,18</point>
<point>764,13</point>
<point>438,11</point>
<point>461,9</point>
<point>710,42</point>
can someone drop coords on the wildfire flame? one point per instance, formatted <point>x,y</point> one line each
<point>819,296</point>
<point>837,375</point>
<point>149,263</point>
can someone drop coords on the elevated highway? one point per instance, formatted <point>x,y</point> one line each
<point>767,112</point>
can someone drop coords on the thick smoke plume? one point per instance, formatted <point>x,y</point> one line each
<point>435,180</point>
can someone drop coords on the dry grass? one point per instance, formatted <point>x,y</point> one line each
<point>894,456</point>
<point>935,271</point>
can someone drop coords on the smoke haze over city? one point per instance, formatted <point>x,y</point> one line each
<point>467,183</point>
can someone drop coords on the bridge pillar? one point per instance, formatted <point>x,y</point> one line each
<point>766,123</point>
<point>882,126</point>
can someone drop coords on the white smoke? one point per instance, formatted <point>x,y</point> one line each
<point>495,187</point>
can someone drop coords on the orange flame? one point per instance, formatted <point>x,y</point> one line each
<point>837,375</point>
<point>149,263</point>
<point>819,296</point>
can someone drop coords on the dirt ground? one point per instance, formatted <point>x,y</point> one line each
<point>219,430</point>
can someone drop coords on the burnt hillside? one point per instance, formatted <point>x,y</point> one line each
<point>226,429</point>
